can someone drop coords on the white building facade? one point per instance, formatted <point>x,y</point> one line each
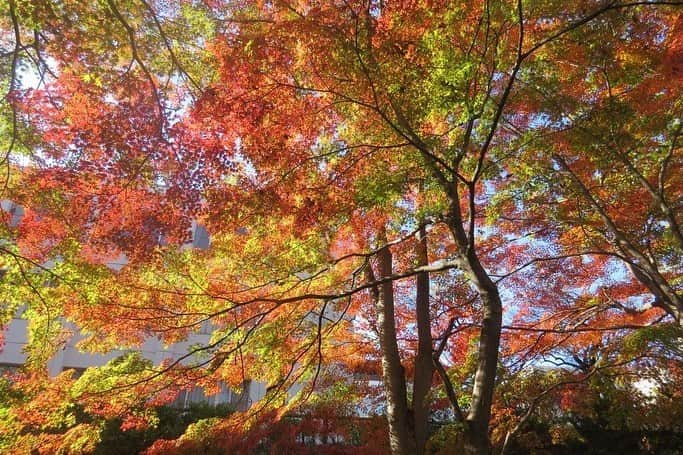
<point>15,334</point>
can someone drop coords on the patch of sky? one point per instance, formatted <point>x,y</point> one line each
<point>616,272</point>
<point>540,120</point>
<point>30,77</point>
<point>247,168</point>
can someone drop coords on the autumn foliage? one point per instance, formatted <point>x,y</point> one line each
<point>433,226</point>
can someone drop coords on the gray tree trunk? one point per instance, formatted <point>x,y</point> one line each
<point>479,416</point>
<point>424,368</point>
<point>401,437</point>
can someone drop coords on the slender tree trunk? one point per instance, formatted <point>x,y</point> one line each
<point>644,269</point>
<point>424,368</point>
<point>479,416</point>
<point>477,440</point>
<point>401,436</point>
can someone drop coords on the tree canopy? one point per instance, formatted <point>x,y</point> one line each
<point>475,205</point>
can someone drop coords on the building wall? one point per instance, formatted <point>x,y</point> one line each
<point>16,337</point>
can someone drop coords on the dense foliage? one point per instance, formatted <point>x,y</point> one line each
<point>463,216</point>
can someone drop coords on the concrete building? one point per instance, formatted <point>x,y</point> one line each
<point>15,334</point>
<point>12,356</point>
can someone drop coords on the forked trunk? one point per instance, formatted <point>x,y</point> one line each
<point>479,416</point>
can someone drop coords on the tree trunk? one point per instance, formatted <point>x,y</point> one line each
<point>424,369</point>
<point>479,416</point>
<point>401,437</point>
<point>477,440</point>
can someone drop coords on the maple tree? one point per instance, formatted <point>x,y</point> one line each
<point>381,181</point>
<point>606,170</point>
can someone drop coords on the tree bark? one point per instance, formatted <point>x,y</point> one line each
<point>424,369</point>
<point>477,439</point>
<point>401,437</point>
<point>479,416</point>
